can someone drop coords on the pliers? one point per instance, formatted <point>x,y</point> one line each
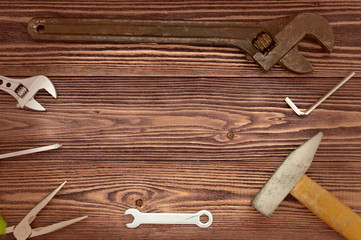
<point>24,231</point>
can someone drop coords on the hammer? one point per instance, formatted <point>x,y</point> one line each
<point>290,177</point>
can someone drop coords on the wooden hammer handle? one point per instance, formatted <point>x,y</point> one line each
<point>327,207</point>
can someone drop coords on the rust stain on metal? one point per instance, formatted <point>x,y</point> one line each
<point>267,42</point>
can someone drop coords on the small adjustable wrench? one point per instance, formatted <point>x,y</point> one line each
<point>24,90</point>
<point>168,218</point>
<point>267,42</point>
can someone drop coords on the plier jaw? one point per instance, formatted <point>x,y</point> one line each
<point>23,230</point>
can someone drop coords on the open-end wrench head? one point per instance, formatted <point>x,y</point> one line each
<point>33,105</point>
<point>295,62</point>
<point>135,213</point>
<point>285,50</point>
<point>317,27</point>
<point>46,84</point>
<point>34,85</point>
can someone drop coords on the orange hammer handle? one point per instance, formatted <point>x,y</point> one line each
<point>327,207</point>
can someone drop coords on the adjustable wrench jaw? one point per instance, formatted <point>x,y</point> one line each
<point>24,90</point>
<point>278,44</point>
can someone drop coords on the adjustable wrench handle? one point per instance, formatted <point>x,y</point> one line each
<point>251,37</point>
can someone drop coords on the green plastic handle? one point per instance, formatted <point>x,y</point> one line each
<point>3,225</point>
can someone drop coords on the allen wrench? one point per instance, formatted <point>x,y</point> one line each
<point>308,111</point>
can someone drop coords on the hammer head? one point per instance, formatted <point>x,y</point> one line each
<point>286,177</point>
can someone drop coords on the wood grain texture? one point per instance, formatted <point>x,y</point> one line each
<point>22,55</point>
<point>183,128</point>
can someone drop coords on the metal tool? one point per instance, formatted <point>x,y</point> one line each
<point>168,218</point>
<point>290,177</point>
<point>24,90</point>
<point>28,151</point>
<point>308,111</point>
<point>24,231</point>
<point>265,42</point>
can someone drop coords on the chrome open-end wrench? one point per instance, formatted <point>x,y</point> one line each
<point>24,90</point>
<point>267,42</point>
<point>168,218</point>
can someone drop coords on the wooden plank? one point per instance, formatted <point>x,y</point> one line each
<point>182,128</point>
<point>21,55</point>
<point>164,140</point>
<point>105,189</point>
<point>183,114</point>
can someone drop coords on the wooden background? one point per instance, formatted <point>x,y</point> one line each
<point>155,122</point>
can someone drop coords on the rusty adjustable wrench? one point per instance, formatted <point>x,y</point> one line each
<point>267,42</point>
